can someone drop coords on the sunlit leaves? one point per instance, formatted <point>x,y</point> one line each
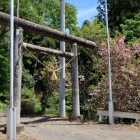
<point>131,29</point>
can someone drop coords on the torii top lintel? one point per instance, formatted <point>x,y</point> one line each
<point>46,31</point>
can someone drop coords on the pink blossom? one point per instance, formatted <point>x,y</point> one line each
<point>128,57</point>
<point>134,75</point>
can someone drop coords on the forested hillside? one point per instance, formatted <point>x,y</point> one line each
<point>40,94</point>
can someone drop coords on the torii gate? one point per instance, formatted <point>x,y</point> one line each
<point>55,34</point>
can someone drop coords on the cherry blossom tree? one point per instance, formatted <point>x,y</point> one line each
<point>125,65</point>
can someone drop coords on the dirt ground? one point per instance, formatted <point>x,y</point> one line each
<point>45,128</point>
<point>22,136</point>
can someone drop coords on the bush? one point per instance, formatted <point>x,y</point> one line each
<point>30,104</point>
<point>2,106</point>
<point>52,105</point>
<point>51,112</point>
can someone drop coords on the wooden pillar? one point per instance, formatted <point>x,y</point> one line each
<point>18,72</point>
<point>75,82</point>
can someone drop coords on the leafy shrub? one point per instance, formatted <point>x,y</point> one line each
<point>2,106</point>
<point>51,111</point>
<point>69,110</point>
<point>27,79</point>
<point>30,104</point>
<point>52,105</point>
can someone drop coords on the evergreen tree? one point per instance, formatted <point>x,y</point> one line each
<point>118,12</point>
<point>131,29</point>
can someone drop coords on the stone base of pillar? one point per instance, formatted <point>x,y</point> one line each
<point>76,118</point>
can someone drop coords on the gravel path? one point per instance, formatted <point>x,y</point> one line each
<point>43,128</point>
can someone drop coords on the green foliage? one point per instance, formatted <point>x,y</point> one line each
<point>27,79</point>
<point>52,108</point>
<point>88,58</point>
<point>4,60</point>
<point>47,12</point>
<point>52,105</point>
<point>4,73</point>
<point>3,106</point>
<point>4,6</point>
<point>30,104</point>
<point>131,29</point>
<point>68,98</point>
<point>28,11</point>
<point>118,12</point>
<point>94,30</point>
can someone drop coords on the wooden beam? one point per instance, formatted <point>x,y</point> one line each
<point>46,31</point>
<point>47,50</point>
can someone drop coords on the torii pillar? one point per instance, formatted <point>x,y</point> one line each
<point>75,82</point>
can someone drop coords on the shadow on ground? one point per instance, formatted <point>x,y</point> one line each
<point>33,120</point>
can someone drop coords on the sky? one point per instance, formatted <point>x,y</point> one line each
<point>86,9</point>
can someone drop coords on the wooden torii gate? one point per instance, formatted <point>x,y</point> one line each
<point>52,33</point>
